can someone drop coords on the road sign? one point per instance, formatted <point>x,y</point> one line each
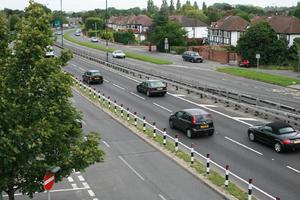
<point>166,44</point>
<point>257,56</point>
<point>48,180</point>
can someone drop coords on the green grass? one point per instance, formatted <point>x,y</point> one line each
<point>260,76</point>
<point>200,168</point>
<point>136,56</point>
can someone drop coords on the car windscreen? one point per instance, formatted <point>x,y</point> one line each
<point>195,54</point>
<point>285,130</point>
<point>96,74</point>
<point>155,84</point>
<point>202,117</point>
<point>119,51</point>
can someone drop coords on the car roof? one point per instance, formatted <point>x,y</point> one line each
<point>93,70</point>
<point>195,111</point>
<point>152,80</point>
<point>278,125</point>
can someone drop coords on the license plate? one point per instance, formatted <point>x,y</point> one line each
<point>97,78</point>
<point>159,88</point>
<point>204,126</point>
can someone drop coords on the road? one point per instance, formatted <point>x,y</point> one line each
<point>132,170</point>
<point>205,74</point>
<point>276,174</point>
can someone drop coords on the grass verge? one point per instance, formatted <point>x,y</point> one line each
<point>260,76</point>
<point>200,168</point>
<point>136,56</point>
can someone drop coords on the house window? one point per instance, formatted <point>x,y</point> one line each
<point>283,36</point>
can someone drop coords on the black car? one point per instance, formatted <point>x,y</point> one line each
<point>92,76</point>
<point>193,122</point>
<point>152,87</point>
<point>192,56</point>
<point>281,136</point>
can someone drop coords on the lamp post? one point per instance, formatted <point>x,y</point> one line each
<point>61,25</point>
<point>96,29</point>
<point>106,36</point>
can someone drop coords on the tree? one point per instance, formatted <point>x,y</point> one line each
<point>92,23</point>
<point>196,5</point>
<point>172,7</point>
<point>13,20</point>
<point>188,3</point>
<point>261,38</point>
<point>204,6</point>
<point>38,126</point>
<point>178,5</point>
<point>150,7</point>
<point>191,12</point>
<point>297,12</point>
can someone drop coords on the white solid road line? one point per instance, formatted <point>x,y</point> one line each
<point>80,177</point>
<point>137,95</point>
<point>162,197</point>
<point>243,146</point>
<point>163,107</point>
<point>70,179</point>
<point>106,144</point>
<point>245,119</point>
<point>119,87</point>
<point>295,170</point>
<point>91,193</point>
<point>130,167</point>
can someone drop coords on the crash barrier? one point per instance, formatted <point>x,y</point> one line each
<point>261,108</point>
<point>166,139</point>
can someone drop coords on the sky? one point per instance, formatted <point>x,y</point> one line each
<point>81,5</point>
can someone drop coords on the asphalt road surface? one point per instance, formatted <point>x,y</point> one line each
<point>276,174</point>
<point>205,73</point>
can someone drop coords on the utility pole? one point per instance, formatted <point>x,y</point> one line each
<point>106,31</point>
<point>96,28</point>
<point>61,25</point>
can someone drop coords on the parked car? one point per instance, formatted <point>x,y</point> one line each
<point>92,76</point>
<point>94,39</point>
<point>280,135</point>
<point>193,122</point>
<point>118,54</point>
<point>244,63</point>
<point>152,87</point>
<point>192,56</point>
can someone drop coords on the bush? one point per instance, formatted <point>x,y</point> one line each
<point>92,33</point>
<point>124,37</point>
<point>108,35</point>
<point>178,49</point>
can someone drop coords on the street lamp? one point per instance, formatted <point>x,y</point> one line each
<point>61,25</point>
<point>106,31</point>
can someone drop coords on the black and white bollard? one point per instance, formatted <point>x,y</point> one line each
<point>226,176</point>
<point>144,124</point>
<point>103,99</point>
<point>128,114</point>
<point>122,111</point>
<point>108,99</point>
<point>165,136</point>
<point>95,93</point>
<point>207,163</point>
<point>90,92</point>
<point>115,104</point>
<point>79,85</point>
<point>99,96</point>
<point>154,130</point>
<point>176,143</point>
<point>192,153</point>
<point>250,189</point>
<point>135,120</point>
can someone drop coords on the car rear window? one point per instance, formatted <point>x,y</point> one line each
<point>285,130</point>
<point>156,84</point>
<point>203,117</point>
<point>96,73</point>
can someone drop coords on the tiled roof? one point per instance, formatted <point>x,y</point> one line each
<point>187,22</point>
<point>281,24</point>
<point>230,23</point>
<point>132,19</point>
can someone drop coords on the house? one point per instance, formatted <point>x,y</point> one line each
<point>194,28</point>
<point>287,27</point>
<point>227,30</point>
<point>138,24</point>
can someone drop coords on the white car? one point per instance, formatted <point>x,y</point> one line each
<point>94,39</point>
<point>118,54</point>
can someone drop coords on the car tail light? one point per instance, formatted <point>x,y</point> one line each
<point>287,141</point>
<point>193,120</point>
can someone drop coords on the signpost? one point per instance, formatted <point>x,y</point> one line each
<point>257,56</point>
<point>49,180</point>
<point>166,45</point>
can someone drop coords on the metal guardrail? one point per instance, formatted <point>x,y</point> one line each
<point>258,107</point>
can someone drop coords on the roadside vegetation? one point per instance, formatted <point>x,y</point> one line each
<point>260,76</point>
<point>136,56</point>
<point>199,166</point>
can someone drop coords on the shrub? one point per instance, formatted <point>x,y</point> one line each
<point>178,49</point>
<point>124,37</point>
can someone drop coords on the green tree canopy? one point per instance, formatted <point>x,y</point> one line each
<point>261,38</point>
<point>94,23</point>
<point>38,126</point>
<point>178,5</point>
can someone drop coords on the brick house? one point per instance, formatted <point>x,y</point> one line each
<point>287,27</point>
<point>227,30</point>
<point>194,28</point>
<point>138,24</point>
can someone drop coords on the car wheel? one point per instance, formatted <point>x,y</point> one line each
<point>189,133</point>
<point>148,93</point>
<point>88,81</point>
<point>278,147</point>
<point>137,89</point>
<point>171,124</point>
<point>251,137</point>
<point>210,133</point>
<point>193,60</point>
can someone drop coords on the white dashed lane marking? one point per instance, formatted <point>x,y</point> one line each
<point>138,96</point>
<point>119,87</point>
<point>106,144</point>
<point>295,170</point>
<point>80,178</point>
<point>163,107</point>
<point>70,179</point>
<point>246,147</point>
<point>132,169</point>
<point>91,193</point>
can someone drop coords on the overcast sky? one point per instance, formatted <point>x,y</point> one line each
<point>80,5</point>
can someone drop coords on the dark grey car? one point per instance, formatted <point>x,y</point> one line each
<point>192,56</point>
